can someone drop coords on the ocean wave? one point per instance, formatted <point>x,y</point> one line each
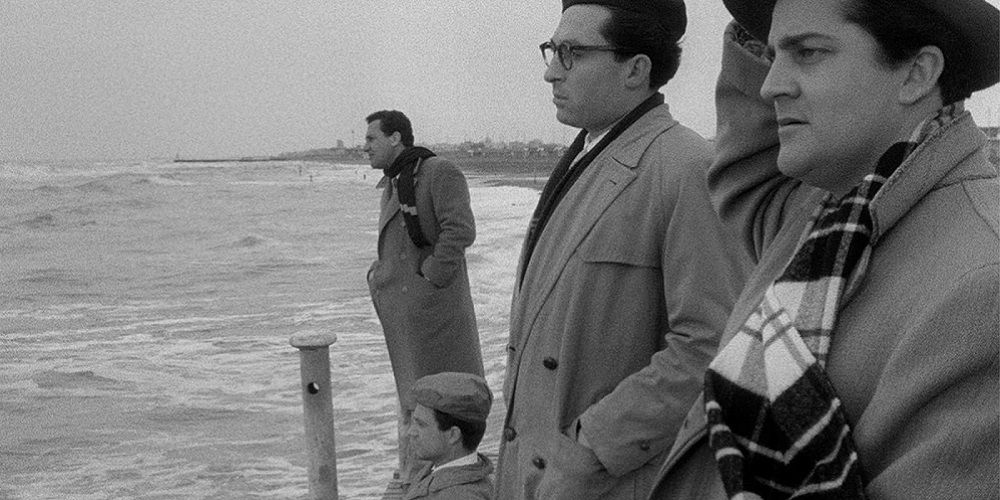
<point>185,414</point>
<point>247,242</point>
<point>96,186</point>
<point>51,276</point>
<point>38,222</point>
<point>162,180</point>
<point>71,380</point>
<point>46,189</point>
<point>116,182</point>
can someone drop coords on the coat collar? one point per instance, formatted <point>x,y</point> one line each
<point>950,155</point>
<point>431,482</point>
<point>629,147</point>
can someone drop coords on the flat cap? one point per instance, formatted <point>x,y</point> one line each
<point>977,22</point>
<point>462,395</point>
<point>669,14</point>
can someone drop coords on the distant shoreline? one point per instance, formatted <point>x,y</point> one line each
<point>529,172</point>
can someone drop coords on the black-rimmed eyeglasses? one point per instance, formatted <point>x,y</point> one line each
<point>567,52</point>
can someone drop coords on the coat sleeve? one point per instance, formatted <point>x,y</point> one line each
<point>749,193</point>
<point>932,425</point>
<point>703,270</point>
<point>453,214</point>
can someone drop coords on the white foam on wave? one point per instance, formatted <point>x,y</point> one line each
<point>502,215</point>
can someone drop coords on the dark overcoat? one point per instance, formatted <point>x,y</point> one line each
<point>422,295</point>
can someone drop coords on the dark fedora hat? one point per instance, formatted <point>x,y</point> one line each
<point>976,21</point>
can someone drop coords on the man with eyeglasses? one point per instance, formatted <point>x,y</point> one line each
<point>626,276</point>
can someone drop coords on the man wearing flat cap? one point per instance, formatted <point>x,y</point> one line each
<point>626,275</point>
<point>861,360</point>
<point>447,425</point>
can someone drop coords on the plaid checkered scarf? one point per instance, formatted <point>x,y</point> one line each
<point>776,424</point>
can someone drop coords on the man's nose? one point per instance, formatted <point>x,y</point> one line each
<point>778,83</point>
<point>554,71</point>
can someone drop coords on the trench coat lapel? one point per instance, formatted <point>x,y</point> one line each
<point>598,187</point>
<point>390,205</point>
<point>604,181</point>
<point>390,197</point>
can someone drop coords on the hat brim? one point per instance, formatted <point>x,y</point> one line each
<point>977,21</point>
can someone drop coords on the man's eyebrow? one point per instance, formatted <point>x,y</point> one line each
<point>570,40</point>
<point>790,42</point>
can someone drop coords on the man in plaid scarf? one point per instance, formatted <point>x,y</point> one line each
<point>861,360</point>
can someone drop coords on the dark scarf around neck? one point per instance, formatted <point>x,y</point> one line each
<point>405,167</point>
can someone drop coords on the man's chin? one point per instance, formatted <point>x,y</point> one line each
<point>565,118</point>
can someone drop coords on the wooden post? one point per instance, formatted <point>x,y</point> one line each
<point>317,401</point>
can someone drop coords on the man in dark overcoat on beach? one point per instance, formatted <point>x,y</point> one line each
<point>626,275</point>
<point>420,283</point>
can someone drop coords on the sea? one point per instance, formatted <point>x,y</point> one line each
<point>145,315</point>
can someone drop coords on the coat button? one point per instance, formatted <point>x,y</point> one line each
<point>509,434</point>
<point>550,363</point>
<point>644,446</point>
<point>538,462</point>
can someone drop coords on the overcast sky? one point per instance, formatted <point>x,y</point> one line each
<point>210,78</point>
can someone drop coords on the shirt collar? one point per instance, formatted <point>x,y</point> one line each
<point>469,459</point>
<point>591,140</point>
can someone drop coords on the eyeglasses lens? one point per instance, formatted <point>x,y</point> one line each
<point>561,52</point>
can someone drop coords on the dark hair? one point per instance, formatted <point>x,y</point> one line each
<point>392,121</point>
<point>902,27</point>
<point>472,432</point>
<point>644,36</point>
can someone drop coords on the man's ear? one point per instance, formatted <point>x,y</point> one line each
<point>395,138</point>
<point>454,435</point>
<point>922,79</point>
<point>638,70</point>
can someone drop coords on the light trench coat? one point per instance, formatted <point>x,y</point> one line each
<point>428,318</point>
<point>620,310</point>
<point>914,354</point>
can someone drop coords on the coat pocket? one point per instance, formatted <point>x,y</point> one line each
<point>617,249</point>
<point>430,307</point>
<point>573,472</point>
